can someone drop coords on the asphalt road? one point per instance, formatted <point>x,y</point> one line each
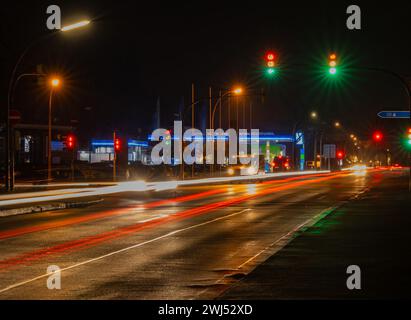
<point>188,243</point>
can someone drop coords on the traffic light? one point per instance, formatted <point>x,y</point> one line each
<point>168,137</point>
<point>408,138</point>
<point>70,141</point>
<point>377,136</point>
<point>332,63</point>
<point>270,63</point>
<point>117,145</point>
<point>340,155</point>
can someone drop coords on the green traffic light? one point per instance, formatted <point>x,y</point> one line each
<point>332,71</point>
<point>270,71</point>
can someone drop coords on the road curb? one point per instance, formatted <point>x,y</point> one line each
<point>47,207</point>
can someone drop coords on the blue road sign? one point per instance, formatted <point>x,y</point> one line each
<point>394,114</point>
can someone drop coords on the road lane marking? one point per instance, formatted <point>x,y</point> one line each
<point>289,236</point>
<point>121,250</point>
<point>308,223</point>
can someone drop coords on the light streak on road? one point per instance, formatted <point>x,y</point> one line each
<point>94,240</point>
<point>105,214</point>
<point>132,186</point>
<point>43,196</point>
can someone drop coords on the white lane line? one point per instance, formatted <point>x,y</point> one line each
<point>121,250</point>
<point>288,236</point>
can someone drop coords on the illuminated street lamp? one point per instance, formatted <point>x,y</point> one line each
<point>337,124</point>
<point>76,25</point>
<point>313,115</point>
<point>12,83</point>
<point>54,83</point>
<point>236,91</point>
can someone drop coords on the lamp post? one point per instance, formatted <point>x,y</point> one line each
<point>237,91</point>
<point>54,83</point>
<point>314,116</point>
<point>9,183</point>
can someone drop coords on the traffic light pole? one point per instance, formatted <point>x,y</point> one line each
<point>408,91</point>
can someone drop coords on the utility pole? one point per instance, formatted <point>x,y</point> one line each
<point>49,140</point>
<point>192,121</point>
<point>210,111</point>
<point>219,122</point>
<point>315,149</point>
<point>114,157</point>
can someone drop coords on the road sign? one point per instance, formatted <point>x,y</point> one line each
<point>394,114</point>
<point>329,151</point>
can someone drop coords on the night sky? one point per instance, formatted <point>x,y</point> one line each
<point>115,69</point>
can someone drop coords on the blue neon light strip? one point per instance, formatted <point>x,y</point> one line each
<point>261,138</point>
<point>110,143</point>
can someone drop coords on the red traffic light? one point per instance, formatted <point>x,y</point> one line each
<point>70,140</point>
<point>377,136</point>
<point>340,154</point>
<point>117,145</point>
<point>270,56</point>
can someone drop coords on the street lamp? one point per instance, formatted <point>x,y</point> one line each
<point>337,124</point>
<point>75,25</point>
<point>236,91</point>
<point>54,83</point>
<point>314,115</point>
<point>12,83</point>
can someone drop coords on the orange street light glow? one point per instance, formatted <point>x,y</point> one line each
<point>75,25</point>
<point>238,90</point>
<point>55,82</point>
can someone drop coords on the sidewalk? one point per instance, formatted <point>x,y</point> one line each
<point>372,232</point>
